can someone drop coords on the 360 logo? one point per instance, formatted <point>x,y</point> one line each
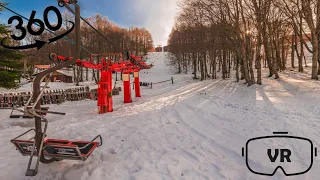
<point>36,32</point>
<point>293,155</point>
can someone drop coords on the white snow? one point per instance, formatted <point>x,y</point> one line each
<point>188,130</point>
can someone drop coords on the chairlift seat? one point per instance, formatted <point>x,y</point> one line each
<point>59,149</point>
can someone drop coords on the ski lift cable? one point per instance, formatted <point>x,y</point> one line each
<point>97,31</point>
<point>65,38</point>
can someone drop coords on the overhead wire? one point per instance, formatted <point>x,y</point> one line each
<point>97,31</point>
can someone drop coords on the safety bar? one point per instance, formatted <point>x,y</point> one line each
<point>23,111</point>
<point>100,144</point>
<point>29,111</point>
<point>24,134</point>
<point>50,112</point>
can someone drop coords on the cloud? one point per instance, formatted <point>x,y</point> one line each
<point>155,15</point>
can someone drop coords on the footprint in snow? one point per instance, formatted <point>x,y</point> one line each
<point>112,151</point>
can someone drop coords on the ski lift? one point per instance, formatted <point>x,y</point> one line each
<point>52,149</point>
<point>49,150</point>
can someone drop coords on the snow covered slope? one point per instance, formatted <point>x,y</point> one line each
<point>188,130</point>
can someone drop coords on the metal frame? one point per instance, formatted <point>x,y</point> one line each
<point>37,80</point>
<point>40,134</point>
<point>39,151</point>
<point>31,97</point>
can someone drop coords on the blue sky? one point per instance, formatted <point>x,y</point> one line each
<point>155,15</point>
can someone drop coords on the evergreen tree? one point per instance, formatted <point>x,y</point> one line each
<point>10,65</point>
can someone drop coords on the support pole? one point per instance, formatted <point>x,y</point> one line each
<point>105,92</point>
<point>137,83</point>
<point>126,87</point>
<point>37,81</point>
<point>103,100</point>
<point>110,102</point>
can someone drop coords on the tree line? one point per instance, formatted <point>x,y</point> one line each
<point>9,60</point>
<point>242,36</point>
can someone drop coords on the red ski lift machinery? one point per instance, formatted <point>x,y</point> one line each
<point>112,62</point>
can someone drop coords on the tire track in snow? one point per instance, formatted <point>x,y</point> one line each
<point>191,156</point>
<point>225,156</point>
<point>165,100</point>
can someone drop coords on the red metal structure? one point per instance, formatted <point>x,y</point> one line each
<point>112,62</point>
<point>137,83</point>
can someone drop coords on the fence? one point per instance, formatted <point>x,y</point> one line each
<point>151,84</point>
<point>49,97</point>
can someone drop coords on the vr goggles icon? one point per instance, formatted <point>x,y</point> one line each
<point>267,154</point>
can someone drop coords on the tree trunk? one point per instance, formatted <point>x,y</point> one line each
<point>258,59</point>
<point>267,51</point>
<point>252,78</point>
<point>246,60</point>
<point>224,69</point>
<point>205,66</point>
<point>300,63</point>
<point>194,66</point>
<point>237,67</point>
<point>319,54</point>
<point>242,77</point>
<point>278,57</point>
<point>81,74</point>
<point>201,59</point>
<point>292,50</point>
<point>308,15</point>
<point>25,67</point>
<point>229,68</point>
<point>315,58</point>
<point>301,45</point>
<point>179,66</point>
<point>87,74</point>
<point>214,66</point>
<point>283,53</point>
<point>275,59</point>
<point>74,74</point>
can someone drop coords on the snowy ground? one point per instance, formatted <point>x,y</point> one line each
<point>188,130</point>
